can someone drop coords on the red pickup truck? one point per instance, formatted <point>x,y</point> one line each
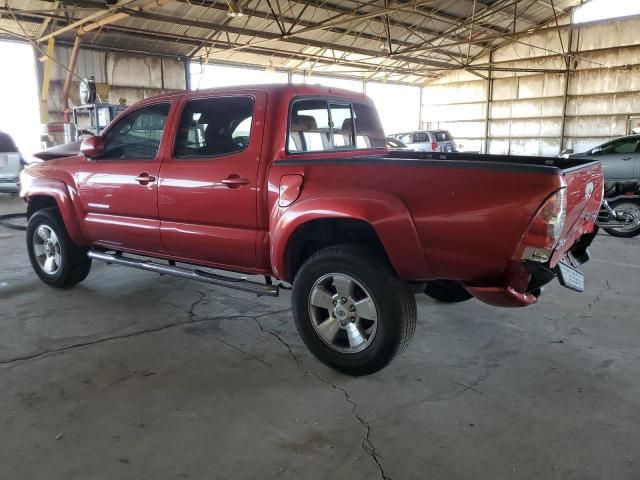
<point>294,183</point>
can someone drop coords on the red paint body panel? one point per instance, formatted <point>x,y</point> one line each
<point>458,217</point>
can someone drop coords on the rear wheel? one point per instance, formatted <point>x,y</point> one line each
<point>447,291</point>
<point>54,257</point>
<point>351,310</point>
<point>630,209</point>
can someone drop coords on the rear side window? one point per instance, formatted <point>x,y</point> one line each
<point>442,136</point>
<point>214,126</point>
<point>321,125</point>
<point>421,137</point>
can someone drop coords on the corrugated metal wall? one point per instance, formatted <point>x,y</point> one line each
<point>118,76</point>
<point>528,111</point>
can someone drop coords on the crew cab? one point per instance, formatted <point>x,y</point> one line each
<point>295,183</point>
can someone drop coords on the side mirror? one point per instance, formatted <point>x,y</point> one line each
<point>596,150</point>
<point>92,147</point>
<point>567,151</point>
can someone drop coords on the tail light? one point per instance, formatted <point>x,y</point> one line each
<point>545,229</point>
<point>434,146</point>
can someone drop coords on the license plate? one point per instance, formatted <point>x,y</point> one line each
<point>570,277</point>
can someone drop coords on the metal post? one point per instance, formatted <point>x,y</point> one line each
<point>44,92</point>
<point>187,73</point>
<point>289,77</point>
<point>567,76</point>
<point>67,81</point>
<point>487,118</point>
<point>161,73</point>
<point>420,109</point>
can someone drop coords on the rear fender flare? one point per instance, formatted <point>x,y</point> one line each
<point>65,198</point>
<point>387,215</point>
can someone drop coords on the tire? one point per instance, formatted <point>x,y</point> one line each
<point>371,328</point>
<point>48,241</point>
<point>447,291</point>
<point>631,207</point>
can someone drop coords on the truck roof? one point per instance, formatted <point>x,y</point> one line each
<point>274,89</point>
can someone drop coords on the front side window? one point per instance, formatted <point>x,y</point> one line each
<point>214,126</point>
<point>620,146</point>
<point>320,125</point>
<point>137,135</point>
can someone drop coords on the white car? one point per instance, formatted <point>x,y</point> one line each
<point>428,140</point>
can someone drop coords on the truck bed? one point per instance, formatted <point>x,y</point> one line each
<point>564,164</point>
<point>469,211</point>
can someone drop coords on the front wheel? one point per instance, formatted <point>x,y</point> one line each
<point>630,209</point>
<point>54,257</point>
<point>352,311</point>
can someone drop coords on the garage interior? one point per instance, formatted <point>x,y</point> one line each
<point>135,375</point>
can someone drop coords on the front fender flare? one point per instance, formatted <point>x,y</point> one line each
<point>387,215</point>
<point>64,198</point>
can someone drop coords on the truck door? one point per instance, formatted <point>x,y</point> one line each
<point>118,192</point>
<point>208,183</point>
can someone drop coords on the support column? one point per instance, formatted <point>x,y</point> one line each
<point>46,77</point>
<point>567,77</point>
<point>420,109</point>
<point>186,62</point>
<point>67,81</point>
<point>487,118</point>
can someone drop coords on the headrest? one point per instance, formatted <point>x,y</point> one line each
<point>303,122</point>
<point>347,126</point>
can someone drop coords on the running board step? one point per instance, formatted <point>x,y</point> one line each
<point>197,275</point>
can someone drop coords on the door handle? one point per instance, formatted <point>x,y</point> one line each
<point>235,181</point>
<point>144,178</point>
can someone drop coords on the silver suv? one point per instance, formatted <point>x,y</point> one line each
<point>11,164</point>
<point>428,140</point>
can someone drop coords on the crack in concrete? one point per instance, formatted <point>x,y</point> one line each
<point>367,444</point>
<point>190,320</point>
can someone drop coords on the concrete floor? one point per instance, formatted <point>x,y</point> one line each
<point>135,376</point>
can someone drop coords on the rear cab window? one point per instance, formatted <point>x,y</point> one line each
<point>326,125</point>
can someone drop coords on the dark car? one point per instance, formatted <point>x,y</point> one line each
<point>620,158</point>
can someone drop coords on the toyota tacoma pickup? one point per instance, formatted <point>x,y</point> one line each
<point>294,183</point>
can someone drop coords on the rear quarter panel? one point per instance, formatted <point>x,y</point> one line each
<point>445,219</point>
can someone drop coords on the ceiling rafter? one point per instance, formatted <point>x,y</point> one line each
<point>400,39</point>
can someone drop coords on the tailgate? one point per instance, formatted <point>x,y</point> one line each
<point>585,185</point>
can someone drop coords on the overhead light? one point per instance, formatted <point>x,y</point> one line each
<point>235,10</point>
